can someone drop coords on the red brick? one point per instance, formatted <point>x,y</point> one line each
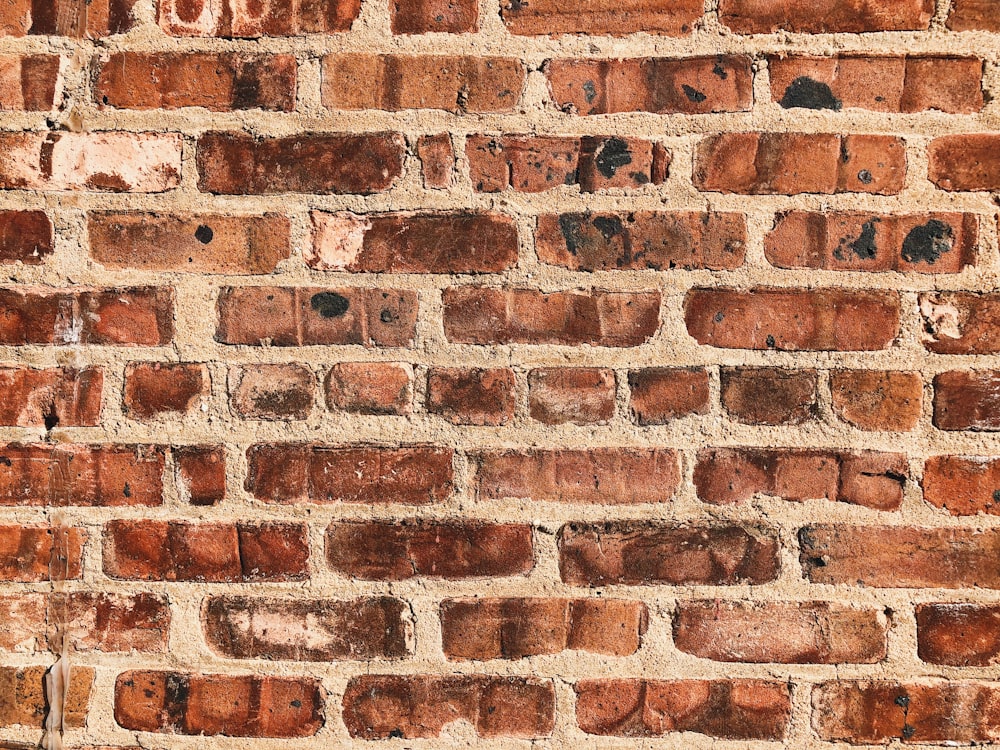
<point>25,702</point>
<point>549,17</point>
<point>965,162</point>
<point>868,712</point>
<point>153,389</point>
<point>853,241</point>
<point>315,316</point>
<point>424,16</point>
<point>219,82</point>
<point>483,629</point>
<point>875,400</point>
<point>806,633</point>
<point>481,315</point>
<point>769,395</point>
<point>691,85</point>
<point>824,16</point>
<point>793,319</point>
<point>961,322</point>
<point>199,243</point>
<point>967,400</point>
<point>303,473</point>
<point>152,550</point>
<point>579,395</point>
<point>28,82</point>
<point>93,20</point>
<point>727,709</point>
<point>370,388</point>
<point>396,82</point>
<point>200,473</point>
<point>25,237</point>
<point>27,552</point>
<point>897,83</point>
<point>792,163</point>
<point>413,706</point>
<point>471,396</point>
<point>642,553</point>
<point>974,15</point>
<point>610,476</point>
<point>396,551</point>
<point>219,704</point>
<point>81,475</point>
<point>662,394</point>
<point>735,475</point>
<point>532,164</point>
<point>437,160</point>
<point>429,242</point>
<point>139,316</point>
<point>233,19</point>
<point>108,161</point>
<point>271,391</point>
<point>52,397</point>
<point>960,635</point>
<point>900,556</point>
<point>963,485</point>
<point>243,627</point>
<point>238,163</point>
<point>639,240</point>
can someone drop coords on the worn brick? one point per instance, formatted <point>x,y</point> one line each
<point>769,395</point>
<point>974,15</point>
<point>370,388</point>
<point>959,634</point>
<point>549,17</point>
<point>967,400</point>
<point>825,16</point>
<point>28,82</point>
<point>965,162</point>
<point>877,400</point>
<point>153,389</point>
<point>659,395</point>
<point>961,322</point>
<point>471,395</point>
<point>271,391</point>
<point>25,702</point>
<point>27,553</point>
<point>93,20</point>
<point>437,160</point>
<point>25,237</point>
<point>50,397</point>
<point>200,473</point>
<point>234,19</point>
<point>963,485</point>
<point>577,395</point>
<point>425,16</point>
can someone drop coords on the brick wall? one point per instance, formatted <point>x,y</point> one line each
<point>481,373</point>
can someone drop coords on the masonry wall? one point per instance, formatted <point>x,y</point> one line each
<point>433,373</point>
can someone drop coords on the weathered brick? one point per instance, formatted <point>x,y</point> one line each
<point>396,551</point>
<point>967,400</point>
<point>234,19</point>
<point>370,388</point>
<point>218,704</point>
<point>303,473</point>
<point>642,553</point>
<point>769,395</point>
<point>549,17</point>
<point>876,400</point>
<point>481,315</point>
<point>825,16</point>
<point>532,164</point>
<point>271,391</point>
<point>244,627</point>
<point>792,163</point>
<point>578,395</point>
<point>153,550</point>
<point>793,319</point>
<point>963,485</point>
<point>661,394</point>
<point>609,476</point>
<point>200,473</point>
<point>639,240</point>
<point>483,629</point>
<point>153,389</point>
<point>311,316</point>
<point>25,702</point>
<point>51,397</point>
<point>429,242</point>
<point>424,16</point>
<point>965,162</point>
<point>437,160</point>
<point>28,553</point>
<point>726,709</point>
<point>28,82</point>
<point>412,706</point>
<point>735,475</point>
<point>93,20</point>
<point>961,322</point>
<point>109,622</point>
<point>471,395</point>
<point>396,82</point>
<point>853,241</point>
<point>25,237</point>
<point>959,634</point>
<point>974,15</point>
<point>813,632</point>
<point>238,163</point>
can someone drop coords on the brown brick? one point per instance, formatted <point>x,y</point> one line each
<point>396,551</point>
<point>642,553</point>
<point>425,16</point>
<point>735,475</point>
<point>793,319</point>
<point>579,395</point>
<point>233,19</point>
<point>324,163</point>
<point>662,394</point>
<point>218,704</point>
<point>471,395</point>
<point>370,388</point>
<point>200,473</point>
<point>25,702</point>
<point>481,315</point>
<point>26,553</point>
<point>960,634</point>
<point>824,16</point>
<point>961,322</point>
<point>93,20</point>
<point>153,389</point>
<point>549,17</point>
<point>244,627</point>
<point>609,476</point>
<point>25,237</point>
<point>967,400</point>
<point>691,85</point>
<point>396,82</point>
<point>792,163</point>
<point>412,706</point>
<point>727,709</point>
<point>853,241</point>
<point>311,316</point>
<point>428,242</point>
<point>875,400</point>
<point>483,629</point>
<point>639,240</point>
<point>303,473</point>
<point>768,395</point>
<point>437,160</point>
<point>963,485</point>
<point>965,162</point>
<point>271,391</point>
<point>28,82</point>
<point>900,556</point>
<point>52,397</point>
<point>974,15</point>
<point>807,633</point>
